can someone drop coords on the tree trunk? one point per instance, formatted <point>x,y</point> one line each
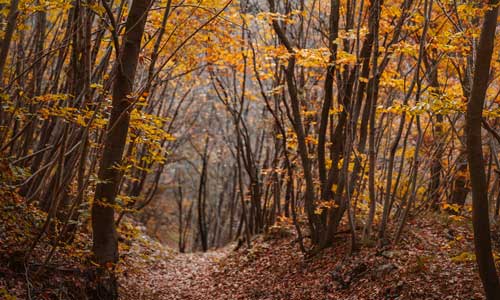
<point>202,224</point>
<point>480,213</point>
<point>105,241</point>
<point>11,26</point>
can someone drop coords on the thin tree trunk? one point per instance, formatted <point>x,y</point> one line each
<point>480,212</point>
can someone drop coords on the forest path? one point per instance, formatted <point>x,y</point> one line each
<point>183,277</point>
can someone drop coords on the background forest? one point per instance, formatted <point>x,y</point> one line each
<point>353,136</point>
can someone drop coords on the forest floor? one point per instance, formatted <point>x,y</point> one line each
<point>434,260</point>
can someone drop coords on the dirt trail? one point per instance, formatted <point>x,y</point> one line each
<point>182,277</point>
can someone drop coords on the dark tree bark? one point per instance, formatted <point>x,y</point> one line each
<point>480,214</point>
<point>460,187</point>
<point>11,26</point>
<point>105,240</point>
<point>181,243</point>
<point>202,223</point>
